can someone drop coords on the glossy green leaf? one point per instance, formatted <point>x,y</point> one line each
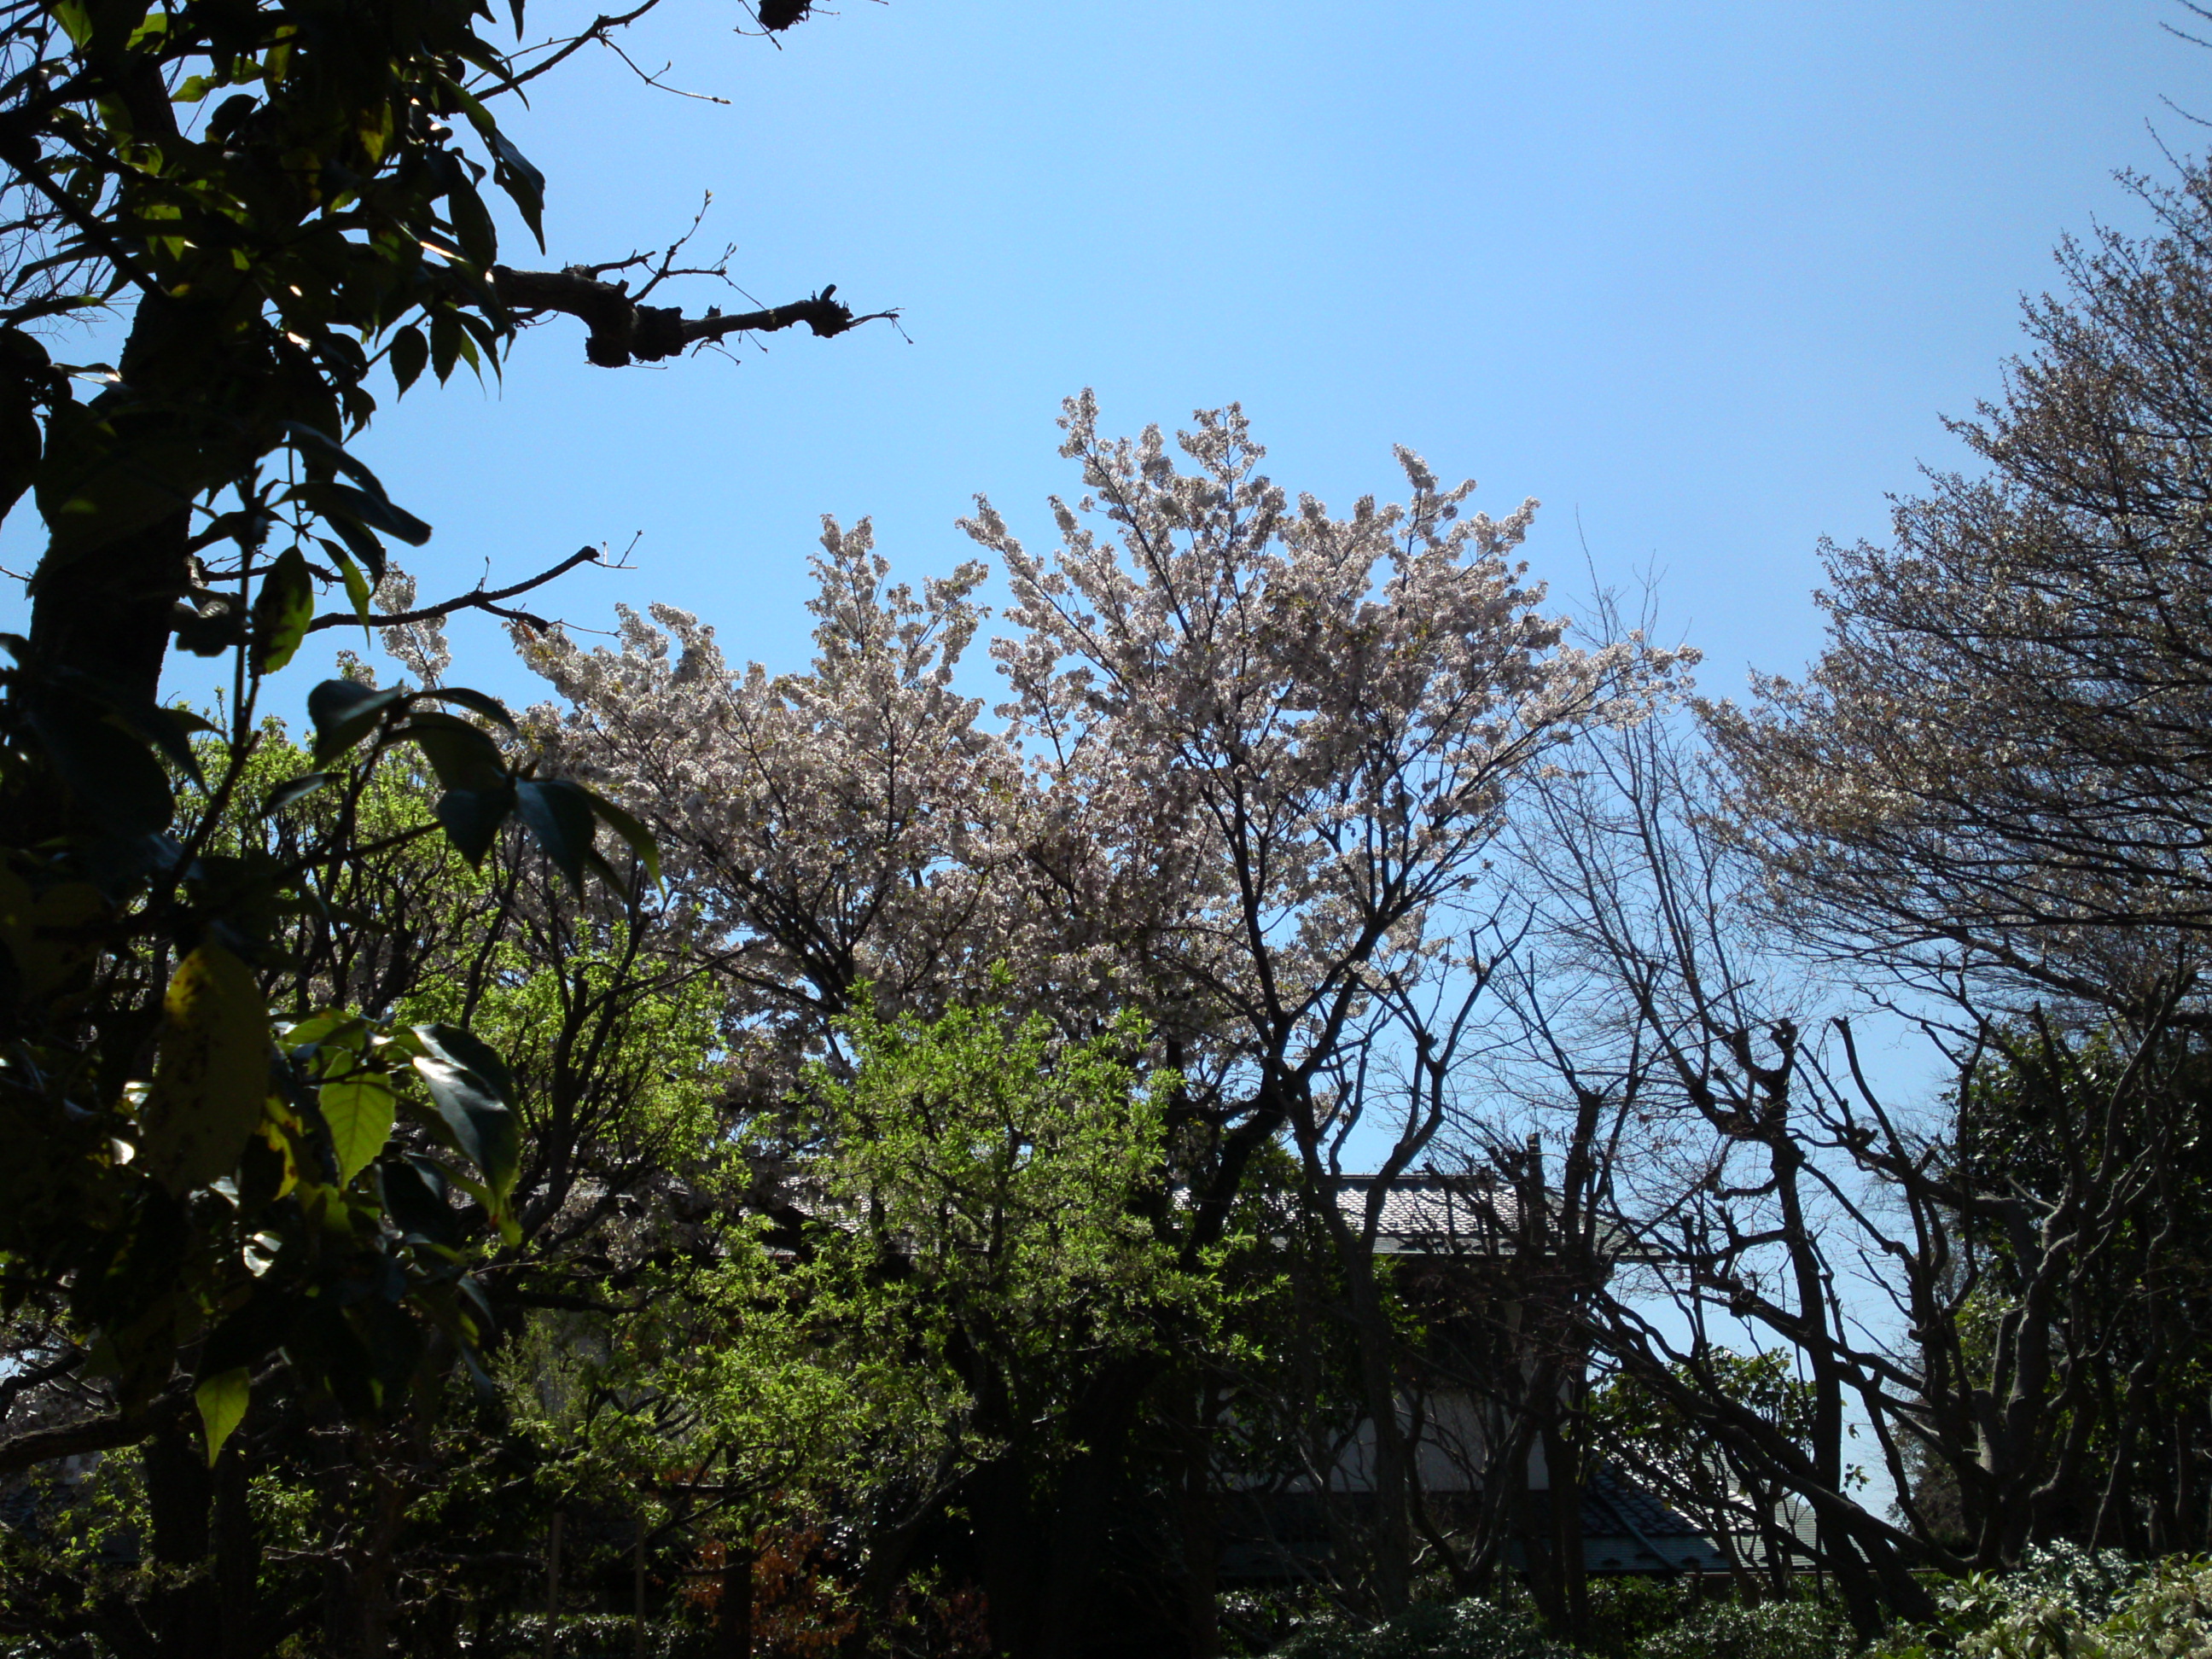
<point>476,702</point>
<point>463,1048</point>
<point>463,756</point>
<point>341,503</point>
<point>484,1131</point>
<point>414,1197</point>
<point>319,446</point>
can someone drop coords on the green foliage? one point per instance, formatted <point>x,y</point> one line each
<point>1623,1610</point>
<point>277,188</point>
<point>984,1180</point>
<point>2066,1602</point>
<point>1434,1630</point>
<point>1766,1630</point>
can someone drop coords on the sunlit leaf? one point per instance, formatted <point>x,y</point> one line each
<point>211,1071</point>
<point>223,1399</point>
<point>282,612</point>
<point>359,1110</point>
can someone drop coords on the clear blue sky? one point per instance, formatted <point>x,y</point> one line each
<point>1701,275</point>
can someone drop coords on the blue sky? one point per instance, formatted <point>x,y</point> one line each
<point>1700,277</point>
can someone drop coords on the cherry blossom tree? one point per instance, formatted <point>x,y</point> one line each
<point>1250,771</point>
<point>817,831</point>
<point>1306,733</point>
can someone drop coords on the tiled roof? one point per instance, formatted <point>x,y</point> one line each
<point>1433,1214</point>
<point>1614,1504</point>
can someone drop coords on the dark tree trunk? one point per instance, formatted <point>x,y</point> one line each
<point>182,1613</point>
<point>733,1609</point>
<point>107,610</point>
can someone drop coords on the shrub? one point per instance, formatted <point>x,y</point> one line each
<point>2068,1603</point>
<point>1726,1629</point>
<point>1433,1630</point>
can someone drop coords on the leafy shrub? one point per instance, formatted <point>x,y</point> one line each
<point>1726,1629</point>
<point>1625,1610</point>
<point>1433,1630</point>
<point>2068,1603</point>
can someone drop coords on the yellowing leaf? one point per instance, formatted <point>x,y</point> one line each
<point>359,1110</point>
<point>211,1074</point>
<point>222,1400</point>
<point>49,936</point>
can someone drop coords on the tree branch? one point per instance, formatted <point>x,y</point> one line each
<point>623,332</point>
<point>36,1446</point>
<point>479,599</point>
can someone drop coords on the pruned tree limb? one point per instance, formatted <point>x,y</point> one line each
<point>623,331</point>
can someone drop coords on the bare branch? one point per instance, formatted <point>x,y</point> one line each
<point>476,599</point>
<point>37,1446</point>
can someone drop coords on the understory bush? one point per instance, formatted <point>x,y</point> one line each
<point>1629,1620</point>
<point>1768,1629</point>
<point>2066,1602</point>
<point>1433,1630</point>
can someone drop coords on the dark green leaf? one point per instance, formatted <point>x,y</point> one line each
<point>411,355</point>
<point>463,756</point>
<point>169,729</point>
<point>524,183</point>
<point>344,712</point>
<point>472,224</point>
<point>293,789</point>
<point>415,1198</point>
<point>558,813</point>
<point>282,612</point>
<point>320,446</point>
<point>340,503</point>
<point>472,819</point>
<point>490,708</point>
<point>635,834</point>
<point>465,1049</point>
<point>484,1131</point>
<point>444,344</point>
<point>243,1337</point>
